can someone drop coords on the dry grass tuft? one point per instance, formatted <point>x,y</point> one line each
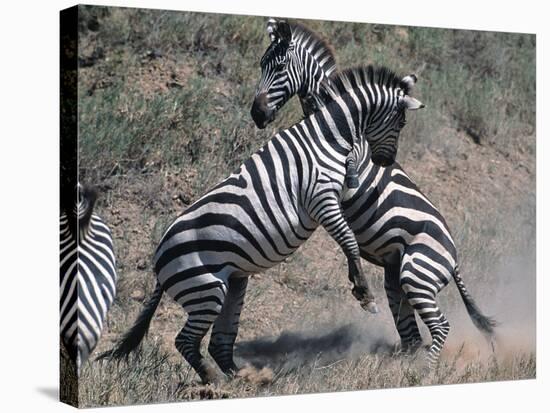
<point>256,377</point>
<point>203,392</point>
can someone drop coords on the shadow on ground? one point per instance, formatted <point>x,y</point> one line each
<point>291,350</point>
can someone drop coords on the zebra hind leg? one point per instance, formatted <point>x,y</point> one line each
<point>411,340</point>
<point>226,326</point>
<point>436,322</point>
<point>202,312</point>
<point>439,329</point>
<point>421,283</point>
<point>402,312</point>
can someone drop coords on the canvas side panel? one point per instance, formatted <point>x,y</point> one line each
<point>68,386</point>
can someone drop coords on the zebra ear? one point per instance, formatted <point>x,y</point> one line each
<point>278,30</point>
<point>409,81</point>
<point>272,29</point>
<point>283,31</point>
<point>411,103</point>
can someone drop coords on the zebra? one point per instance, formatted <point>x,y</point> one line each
<point>87,276</point>
<point>395,224</point>
<point>263,212</point>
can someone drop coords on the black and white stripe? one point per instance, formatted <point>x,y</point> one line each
<point>88,276</point>
<point>263,212</point>
<point>396,226</point>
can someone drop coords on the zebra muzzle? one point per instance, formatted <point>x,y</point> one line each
<point>260,112</point>
<point>352,182</point>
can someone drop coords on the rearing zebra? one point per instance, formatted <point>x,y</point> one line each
<point>396,226</point>
<point>88,276</point>
<point>264,211</point>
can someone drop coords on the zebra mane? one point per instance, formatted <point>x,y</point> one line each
<point>85,208</point>
<point>316,45</point>
<point>354,78</point>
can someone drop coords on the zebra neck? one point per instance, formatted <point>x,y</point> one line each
<point>323,132</point>
<point>312,74</point>
<point>345,122</point>
<point>310,46</point>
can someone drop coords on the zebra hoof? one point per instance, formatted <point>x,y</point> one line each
<point>365,300</point>
<point>208,373</point>
<point>352,182</point>
<point>371,307</point>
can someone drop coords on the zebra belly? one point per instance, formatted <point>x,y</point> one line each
<point>217,241</point>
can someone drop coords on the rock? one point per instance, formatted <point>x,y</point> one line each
<point>137,295</point>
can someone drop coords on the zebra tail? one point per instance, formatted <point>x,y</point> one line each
<point>133,338</point>
<point>485,324</point>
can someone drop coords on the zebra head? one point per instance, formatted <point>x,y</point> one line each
<point>373,103</point>
<point>383,138</point>
<point>281,73</point>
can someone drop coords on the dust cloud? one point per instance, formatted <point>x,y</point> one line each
<point>511,302</point>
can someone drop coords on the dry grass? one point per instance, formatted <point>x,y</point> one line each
<point>154,376</point>
<point>164,114</point>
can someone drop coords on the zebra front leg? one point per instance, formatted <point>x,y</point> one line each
<point>361,289</point>
<point>332,219</point>
<point>226,326</point>
<point>203,309</point>
<point>352,177</point>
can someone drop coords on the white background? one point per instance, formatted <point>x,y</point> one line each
<point>29,159</point>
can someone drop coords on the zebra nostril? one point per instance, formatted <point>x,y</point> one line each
<point>258,116</point>
<point>259,111</point>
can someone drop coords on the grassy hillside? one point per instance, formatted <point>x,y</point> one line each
<point>164,100</point>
